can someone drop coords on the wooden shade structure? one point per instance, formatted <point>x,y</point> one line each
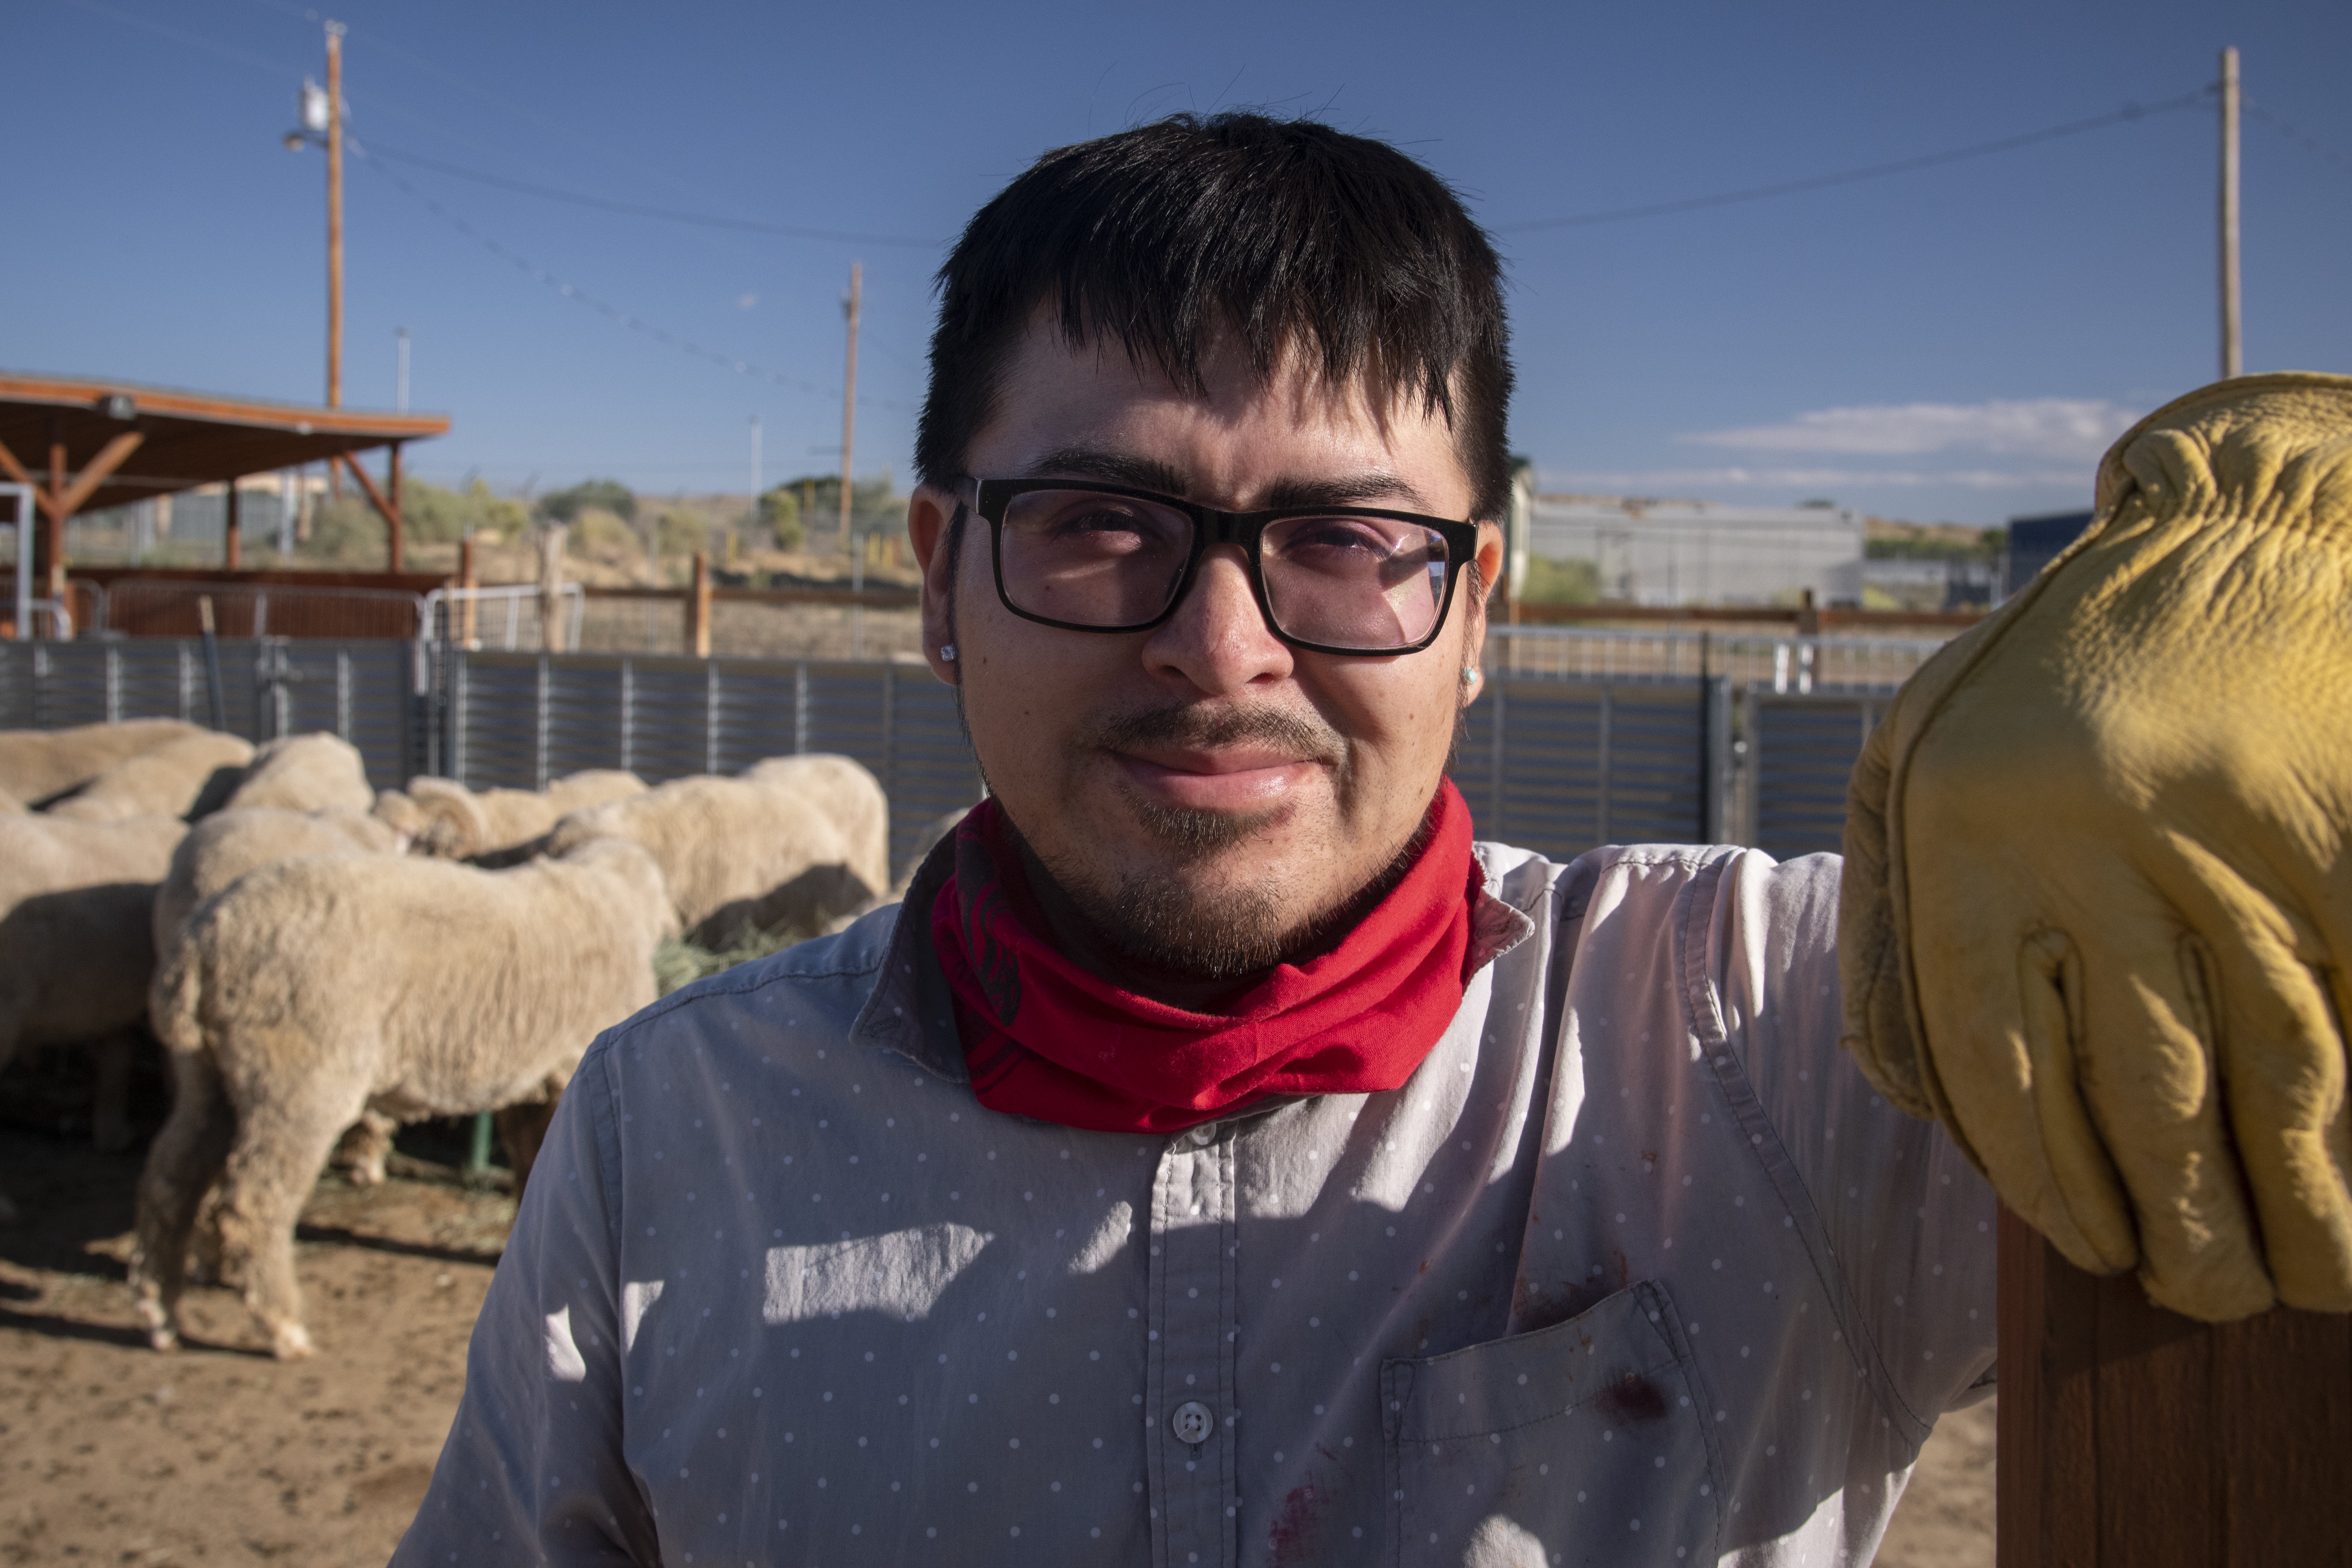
<point>83,444</point>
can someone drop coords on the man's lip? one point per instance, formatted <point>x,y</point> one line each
<point>1242,779</point>
<point>1224,760</point>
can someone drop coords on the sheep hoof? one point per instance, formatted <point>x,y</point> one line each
<point>293,1342</point>
<point>162,1334</point>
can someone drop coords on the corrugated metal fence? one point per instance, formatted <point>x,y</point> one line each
<point>1556,764</point>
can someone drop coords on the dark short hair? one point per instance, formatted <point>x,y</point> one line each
<point>1286,231</point>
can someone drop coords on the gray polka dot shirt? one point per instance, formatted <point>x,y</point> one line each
<point>1635,1270</point>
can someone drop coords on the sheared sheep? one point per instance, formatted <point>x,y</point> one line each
<point>76,945</point>
<point>741,857</point>
<point>186,777</point>
<point>848,797</point>
<point>317,772</point>
<point>11,806</point>
<point>229,843</point>
<point>444,817</point>
<point>310,991</point>
<point>38,765</point>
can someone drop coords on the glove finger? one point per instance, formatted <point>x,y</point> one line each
<point>1877,1023</point>
<point>2001,1067</point>
<point>2146,1052</point>
<point>2282,1057</point>
<point>2050,988</point>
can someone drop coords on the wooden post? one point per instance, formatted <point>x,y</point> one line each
<point>550,586</point>
<point>697,607</point>
<point>2232,359</point>
<point>232,541</point>
<point>2131,1436</point>
<point>53,527</point>
<point>849,398</point>
<point>391,515</point>
<point>463,630</point>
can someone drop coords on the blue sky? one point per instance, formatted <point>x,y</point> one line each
<point>1957,344</point>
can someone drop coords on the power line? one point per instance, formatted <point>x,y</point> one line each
<point>604,308</point>
<point>668,214</point>
<point>2128,112</point>
<point>2298,135</point>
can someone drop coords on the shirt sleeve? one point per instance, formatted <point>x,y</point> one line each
<point>1909,1220</point>
<point>533,1469</point>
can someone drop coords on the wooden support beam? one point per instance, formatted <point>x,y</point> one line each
<point>52,563</point>
<point>387,510</point>
<point>464,629</point>
<point>698,608</point>
<point>2131,1436</point>
<point>16,474</point>
<point>96,472</point>
<point>232,541</point>
<point>391,484</point>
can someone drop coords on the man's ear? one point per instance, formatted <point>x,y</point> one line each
<point>931,511</point>
<point>1490,567</point>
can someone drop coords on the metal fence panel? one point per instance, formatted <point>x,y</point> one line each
<point>360,691</point>
<point>1562,767</point>
<point>1801,750</point>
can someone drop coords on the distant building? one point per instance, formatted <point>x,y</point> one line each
<point>1699,552</point>
<point>2035,541</point>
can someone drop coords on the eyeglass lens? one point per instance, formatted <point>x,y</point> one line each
<point>1095,560</point>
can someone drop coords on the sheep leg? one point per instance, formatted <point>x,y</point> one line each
<point>186,1159</point>
<point>272,1168</point>
<point>365,1145</point>
<point>522,1129</point>
<point>110,1116</point>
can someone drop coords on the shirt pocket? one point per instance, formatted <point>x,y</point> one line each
<point>1585,1441</point>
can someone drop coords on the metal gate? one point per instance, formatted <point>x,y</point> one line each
<point>362,690</point>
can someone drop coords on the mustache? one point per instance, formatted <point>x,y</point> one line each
<point>1200,727</point>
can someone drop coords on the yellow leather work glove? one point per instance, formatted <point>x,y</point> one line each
<point>2097,897</point>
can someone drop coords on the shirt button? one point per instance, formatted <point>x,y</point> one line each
<point>1192,1423</point>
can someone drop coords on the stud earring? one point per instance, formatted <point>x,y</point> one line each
<point>947,651</point>
<point>1469,673</point>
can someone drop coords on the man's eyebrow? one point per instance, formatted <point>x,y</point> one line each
<point>1346,489</point>
<point>1111,467</point>
<point>1372,485</point>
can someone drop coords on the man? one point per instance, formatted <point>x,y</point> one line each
<point>1217,1158</point>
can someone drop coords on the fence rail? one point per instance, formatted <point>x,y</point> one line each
<point>1556,760</point>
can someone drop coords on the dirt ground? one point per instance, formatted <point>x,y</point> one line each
<point>112,1454</point>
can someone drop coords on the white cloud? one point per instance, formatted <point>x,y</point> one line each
<point>1671,481</point>
<point>2059,428</point>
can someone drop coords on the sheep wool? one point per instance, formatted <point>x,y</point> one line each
<point>38,766</point>
<point>187,777</point>
<point>847,796</point>
<point>230,843</point>
<point>741,857</point>
<point>311,991</point>
<point>446,818</point>
<point>316,771</point>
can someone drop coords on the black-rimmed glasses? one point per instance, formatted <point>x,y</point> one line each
<point>1334,579</point>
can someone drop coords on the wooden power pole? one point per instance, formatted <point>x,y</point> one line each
<point>2233,359</point>
<point>849,398</point>
<point>335,232</point>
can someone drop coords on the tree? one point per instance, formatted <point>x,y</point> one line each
<point>609,495</point>
<point>780,509</point>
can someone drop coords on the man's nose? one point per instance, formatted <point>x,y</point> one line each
<point>1218,641</point>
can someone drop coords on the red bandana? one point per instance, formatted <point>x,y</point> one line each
<point>1043,1038</point>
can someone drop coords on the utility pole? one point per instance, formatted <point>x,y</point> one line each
<point>400,381</point>
<point>2232,358</point>
<point>334,215</point>
<point>849,397</point>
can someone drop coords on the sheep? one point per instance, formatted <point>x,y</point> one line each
<point>232,842</point>
<point>446,818</point>
<point>849,798</point>
<point>38,765</point>
<point>11,806</point>
<point>741,857</point>
<point>305,773</point>
<point>76,945</point>
<point>187,777</point>
<point>310,991</point>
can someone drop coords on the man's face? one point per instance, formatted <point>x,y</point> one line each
<point>1207,799</point>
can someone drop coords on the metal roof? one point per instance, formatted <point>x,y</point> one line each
<point>183,438</point>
